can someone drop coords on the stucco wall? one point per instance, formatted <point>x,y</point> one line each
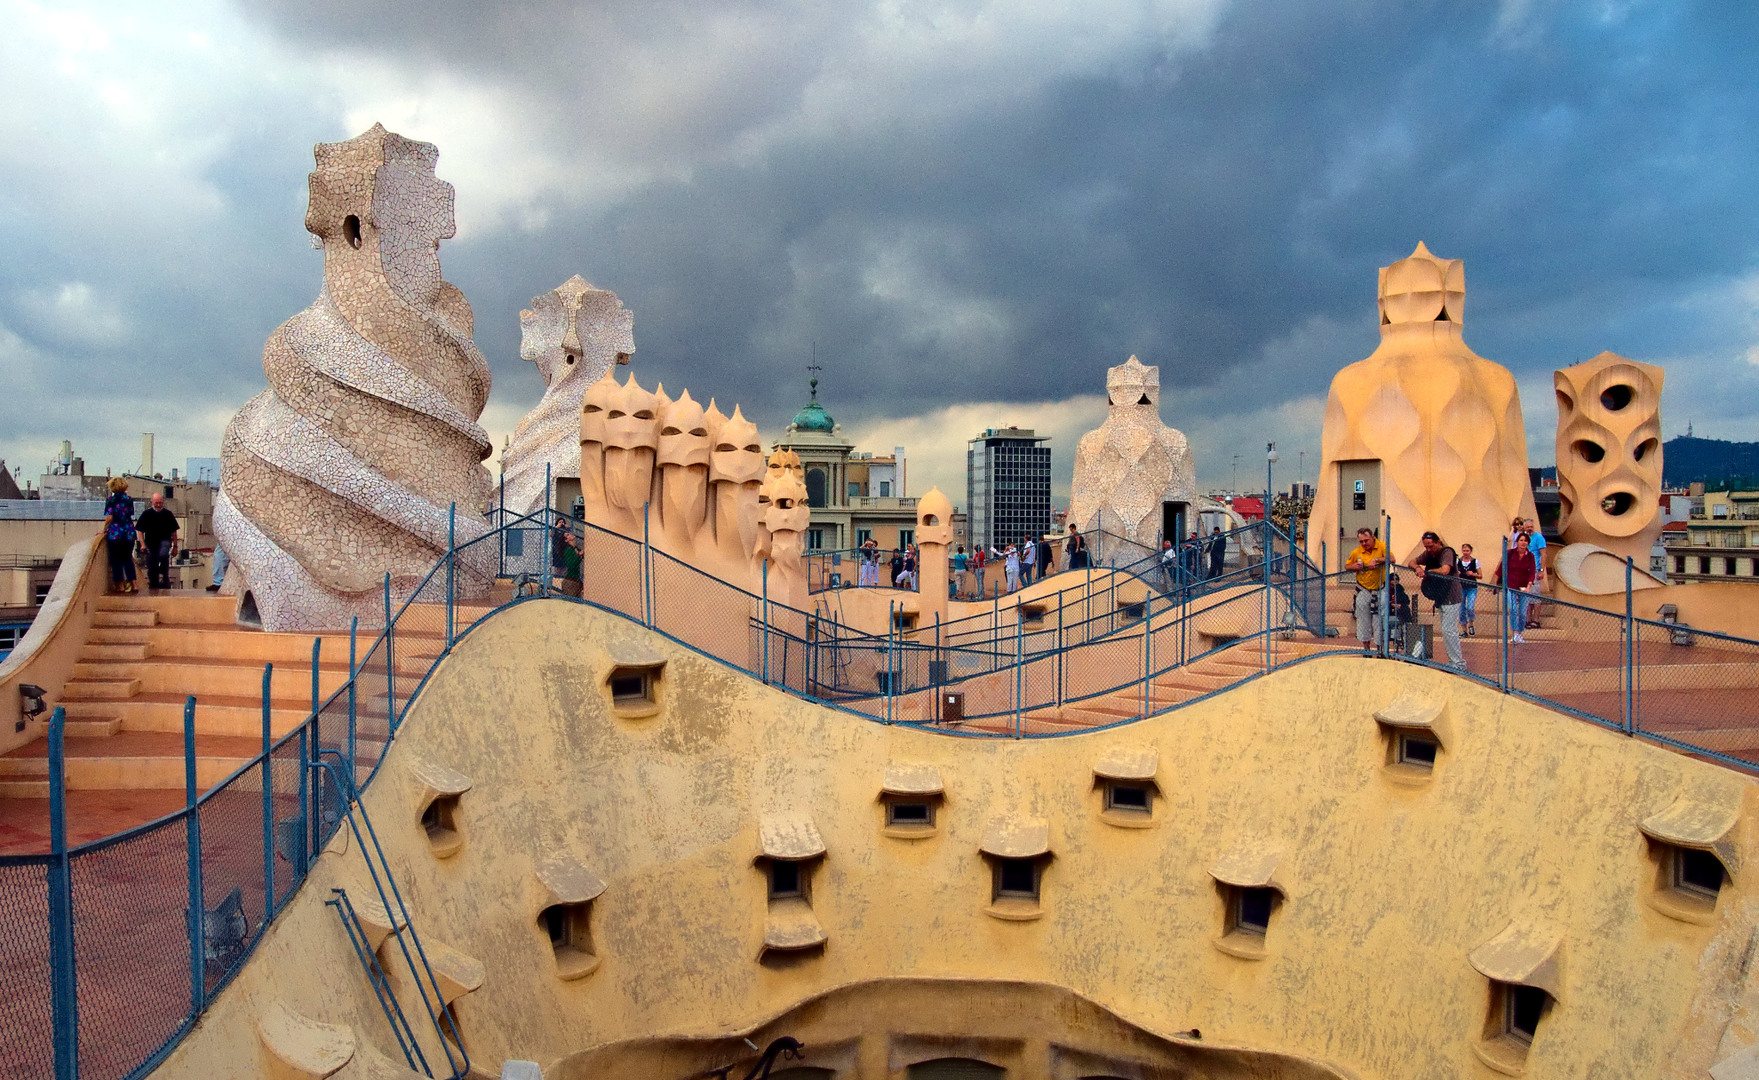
<point>50,649</point>
<point>1529,816</point>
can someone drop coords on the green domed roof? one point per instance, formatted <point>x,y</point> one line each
<point>812,416</point>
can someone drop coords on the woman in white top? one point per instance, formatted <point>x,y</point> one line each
<point>1012,554</point>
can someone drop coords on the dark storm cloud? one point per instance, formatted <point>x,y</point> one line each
<point>1213,193</point>
<point>1191,209</point>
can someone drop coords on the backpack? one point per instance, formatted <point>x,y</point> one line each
<point>1439,588</point>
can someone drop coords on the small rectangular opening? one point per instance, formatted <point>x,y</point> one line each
<point>1252,910</point>
<point>1698,873</point>
<point>1130,798</point>
<point>904,620</point>
<point>785,879</point>
<point>913,813</point>
<point>1016,879</point>
<point>1417,749</point>
<point>1522,1008</point>
<point>629,689</point>
<point>439,820</point>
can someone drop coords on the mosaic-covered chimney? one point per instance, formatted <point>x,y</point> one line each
<point>346,467</point>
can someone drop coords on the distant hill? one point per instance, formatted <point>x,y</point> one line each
<point>1716,462</point>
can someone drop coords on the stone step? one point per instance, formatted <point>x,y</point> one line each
<point>92,729</point>
<point>185,609</point>
<point>233,644</point>
<point>24,789</point>
<point>234,716</point>
<point>101,652</point>
<point>205,678</point>
<point>137,619</point>
<point>132,761</point>
<point>99,689</point>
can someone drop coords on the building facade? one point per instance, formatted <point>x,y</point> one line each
<point>854,496</point>
<point>1008,485</point>
<point>1721,540</point>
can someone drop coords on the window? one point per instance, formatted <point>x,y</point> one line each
<point>786,880</point>
<point>909,814</point>
<point>1696,873</point>
<point>1129,798</point>
<point>1251,910</point>
<point>635,689</point>
<point>862,536</point>
<point>854,490</point>
<point>570,942</point>
<point>1016,879</point>
<point>1516,1011</point>
<point>1417,749</point>
<point>42,593</point>
<point>815,539</point>
<point>439,820</point>
<point>906,537</point>
<point>885,488</point>
<point>630,687</point>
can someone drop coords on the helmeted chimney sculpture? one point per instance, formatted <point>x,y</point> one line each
<point>347,467</point>
<point>1434,424</point>
<point>574,334</point>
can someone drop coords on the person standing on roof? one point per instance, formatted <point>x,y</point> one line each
<point>119,535</point>
<point>1028,560</point>
<point>157,529</point>
<point>1369,563</point>
<point>1438,582</point>
<point>1218,552</point>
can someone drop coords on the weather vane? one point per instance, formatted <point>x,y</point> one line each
<point>813,369</point>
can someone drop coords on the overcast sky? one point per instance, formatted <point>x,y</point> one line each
<point>972,208</point>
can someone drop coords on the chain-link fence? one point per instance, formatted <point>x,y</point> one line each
<point>181,902</point>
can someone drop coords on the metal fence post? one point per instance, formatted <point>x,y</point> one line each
<point>1630,664</point>
<point>1147,652</point>
<point>765,609</point>
<point>891,675</point>
<point>269,797</point>
<point>1386,587</point>
<point>1019,672</point>
<point>193,838</point>
<point>546,538</point>
<point>1324,598</point>
<point>1061,659</point>
<point>353,641</point>
<point>501,525</point>
<point>308,751</point>
<point>451,573</point>
<point>647,616</point>
<point>64,996</point>
<point>390,674</point>
<point>1504,615</point>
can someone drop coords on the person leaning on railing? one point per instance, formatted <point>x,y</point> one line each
<point>567,553</point>
<point>1368,560</point>
<point>1437,581</point>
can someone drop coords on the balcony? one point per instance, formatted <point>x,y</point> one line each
<point>883,502</point>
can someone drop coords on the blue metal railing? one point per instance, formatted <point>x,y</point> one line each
<point>1089,648</point>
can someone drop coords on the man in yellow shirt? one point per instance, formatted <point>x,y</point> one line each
<point>1369,562</point>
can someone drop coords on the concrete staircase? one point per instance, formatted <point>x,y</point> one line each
<point>144,655</point>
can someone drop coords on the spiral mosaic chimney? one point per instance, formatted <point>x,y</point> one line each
<point>347,466</point>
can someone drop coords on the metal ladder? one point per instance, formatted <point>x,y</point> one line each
<point>408,942</point>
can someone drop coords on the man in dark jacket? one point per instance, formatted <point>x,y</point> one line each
<point>1218,552</point>
<point>1439,584</point>
<point>157,529</point>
